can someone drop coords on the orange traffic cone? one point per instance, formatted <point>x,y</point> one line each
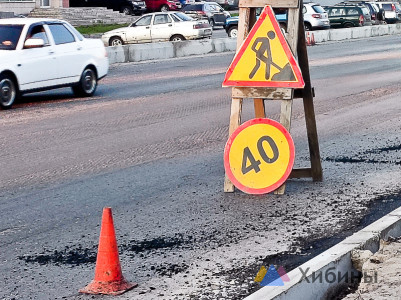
<point>308,39</point>
<point>109,279</point>
<point>312,39</point>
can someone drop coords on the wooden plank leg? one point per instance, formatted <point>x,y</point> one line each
<point>235,121</point>
<point>259,105</point>
<point>247,17</point>
<point>314,152</point>
<point>311,130</point>
<point>285,120</point>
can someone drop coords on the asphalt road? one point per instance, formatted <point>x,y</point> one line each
<point>150,145</point>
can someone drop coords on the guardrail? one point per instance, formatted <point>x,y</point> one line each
<point>165,50</point>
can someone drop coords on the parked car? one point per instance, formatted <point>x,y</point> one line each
<point>41,54</point>
<point>133,7</point>
<point>349,16</point>
<point>128,7</point>
<point>158,27</point>
<point>231,24</point>
<point>392,11</point>
<point>211,11</point>
<point>315,17</point>
<point>163,5</point>
<point>374,10</point>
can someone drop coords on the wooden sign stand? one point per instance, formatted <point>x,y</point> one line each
<point>296,40</point>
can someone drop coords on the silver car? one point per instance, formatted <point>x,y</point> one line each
<point>315,17</point>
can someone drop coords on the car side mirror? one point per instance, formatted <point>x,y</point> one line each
<point>221,10</point>
<point>34,43</point>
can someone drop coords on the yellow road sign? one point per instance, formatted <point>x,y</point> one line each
<point>264,59</point>
<point>259,156</point>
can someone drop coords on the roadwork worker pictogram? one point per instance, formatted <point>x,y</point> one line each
<point>263,54</point>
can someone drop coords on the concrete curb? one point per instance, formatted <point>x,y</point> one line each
<point>335,260</point>
<point>356,33</point>
<point>153,51</point>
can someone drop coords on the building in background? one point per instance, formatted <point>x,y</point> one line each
<point>24,7</point>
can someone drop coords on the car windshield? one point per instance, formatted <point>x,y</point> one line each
<point>318,9</point>
<point>365,11</point>
<point>9,36</point>
<point>214,7</point>
<point>182,16</point>
<point>76,32</point>
<point>374,7</point>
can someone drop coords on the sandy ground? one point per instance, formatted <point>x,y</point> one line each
<point>385,265</point>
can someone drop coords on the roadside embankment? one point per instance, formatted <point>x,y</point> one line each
<point>165,50</point>
<point>324,276</point>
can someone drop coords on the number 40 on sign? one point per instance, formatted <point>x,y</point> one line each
<point>259,156</point>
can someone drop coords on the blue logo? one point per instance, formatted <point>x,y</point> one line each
<point>272,277</point>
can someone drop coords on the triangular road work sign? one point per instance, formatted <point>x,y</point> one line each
<point>264,58</point>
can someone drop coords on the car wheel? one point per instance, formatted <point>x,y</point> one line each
<point>87,85</point>
<point>211,23</point>
<point>127,10</point>
<point>164,8</point>
<point>308,27</point>
<point>348,25</point>
<point>233,32</point>
<point>8,91</point>
<point>116,41</point>
<point>177,38</point>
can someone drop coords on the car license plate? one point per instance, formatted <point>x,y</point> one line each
<point>208,31</point>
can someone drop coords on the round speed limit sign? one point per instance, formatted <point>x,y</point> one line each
<point>259,156</point>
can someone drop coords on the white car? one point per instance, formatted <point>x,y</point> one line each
<point>41,54</point>
<point>158,27</point>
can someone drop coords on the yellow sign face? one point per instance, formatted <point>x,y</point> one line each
<point>259,156</point>
<point>264,59</point>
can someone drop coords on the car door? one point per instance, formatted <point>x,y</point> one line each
<point>353,16</point>
<point>336,16</point>
<point>162,28</point>
<point>70,53</point>
<point>217,13</point>
<point>37,67</point>
<point>139,31</point>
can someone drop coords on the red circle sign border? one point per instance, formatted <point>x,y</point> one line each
<point>287,172</point>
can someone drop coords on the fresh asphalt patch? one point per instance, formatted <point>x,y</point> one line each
<point>371,156</point>
<point>300,251</point>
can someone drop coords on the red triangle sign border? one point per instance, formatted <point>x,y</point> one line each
<point>299,83</point>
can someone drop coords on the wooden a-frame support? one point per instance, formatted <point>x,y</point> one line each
<point>296,40</point>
